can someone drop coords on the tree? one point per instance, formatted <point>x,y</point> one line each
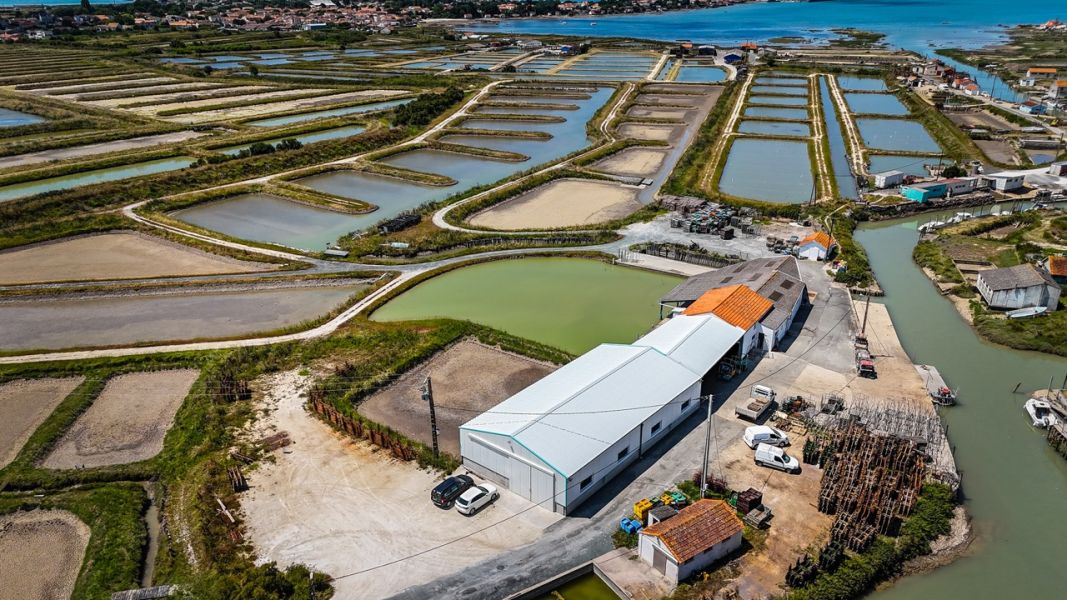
<point>953,171</point>
<point>86,7</point>
<point>253,70</point>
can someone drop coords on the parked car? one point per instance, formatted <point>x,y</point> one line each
<point>476,498</point>
<point>776,458</point>
<point>448,490</point>
<point>765,434</point>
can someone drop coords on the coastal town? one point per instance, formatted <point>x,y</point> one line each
<point>502,300</point>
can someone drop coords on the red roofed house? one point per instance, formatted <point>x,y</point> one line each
<point>816,246</point>
<point>699,535</point>
<point>1056,265</point>
<point>739,306</point>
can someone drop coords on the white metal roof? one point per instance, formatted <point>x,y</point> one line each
<point>697,341</point>
<point>571,416</point>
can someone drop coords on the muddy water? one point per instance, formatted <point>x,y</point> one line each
<point>58,324</point>
<point>745,174</point>
<point>603,303</point>
<point>1015,486</point>
<point>896,134</point>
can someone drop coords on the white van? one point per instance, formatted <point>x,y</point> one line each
<point>776,458</point>
<point>765,434</point>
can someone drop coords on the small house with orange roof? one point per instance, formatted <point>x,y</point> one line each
<point>817,246</point>
<point>1056,266</point>
<point>739,306</point>
<point>698,536</point>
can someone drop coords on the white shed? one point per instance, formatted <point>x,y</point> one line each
<point>697,537</point>
<point>1003,182</point>
<point>888,179</point>
<point>561,439</point>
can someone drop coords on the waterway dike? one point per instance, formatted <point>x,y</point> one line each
<point>1000,455</point>
<point>844,178</point>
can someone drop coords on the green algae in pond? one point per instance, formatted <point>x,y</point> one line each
<point>571,304</point>
<point>586,587</point>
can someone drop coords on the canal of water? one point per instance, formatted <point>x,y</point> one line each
<point>839,160</point>
<point>604,303</point>
<point>1014,484</point>
<point>14,118</point>
<point>66,182</point>
<point>304,138</point>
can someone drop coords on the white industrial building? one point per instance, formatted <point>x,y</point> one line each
<point>561,439</point>
<point>1021,286</point>
<point>1003,182</point>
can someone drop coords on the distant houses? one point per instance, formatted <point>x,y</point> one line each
<point>1021,286</point>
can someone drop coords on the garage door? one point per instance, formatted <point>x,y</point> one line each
<point>659,561</point>
<point>534,484</point>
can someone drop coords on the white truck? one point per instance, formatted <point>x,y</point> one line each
<point>759,402</point>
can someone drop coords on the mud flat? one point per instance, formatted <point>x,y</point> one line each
<point>651,112</point>
<point>136,143</point>
<point>126,423</point>
<point>24,405</point>
<point>118,255</point>
<point>561,203</point>
<point>256,110</point>
<point>636,162</point>
<point>468,378</point>
<point>42,553</point>
<point>655,133</point>
<point>177,316</point>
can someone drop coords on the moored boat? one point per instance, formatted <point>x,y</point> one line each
<point>1041,413</point>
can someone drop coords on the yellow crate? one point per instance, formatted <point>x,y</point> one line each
<point>641,508</point>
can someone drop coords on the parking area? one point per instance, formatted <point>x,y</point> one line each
<point>351,511</point>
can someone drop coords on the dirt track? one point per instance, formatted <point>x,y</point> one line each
<point>126,423</point>
<point>24,405</point>
<point>42,553</point>
<point>118,255</point>
<point>467,378</point>
<point>561,203</point>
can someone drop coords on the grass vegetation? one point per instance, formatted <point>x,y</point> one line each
<point>117,533</point>
<point>1041,334</point>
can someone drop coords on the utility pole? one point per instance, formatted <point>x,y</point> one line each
<point>866,309</point>
<point>427,395</point>
<point>707,451</point>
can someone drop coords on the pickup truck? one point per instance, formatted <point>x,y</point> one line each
<point>759,402</point>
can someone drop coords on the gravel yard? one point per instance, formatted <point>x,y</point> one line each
<point>126,423</point>
<point>468,378</point>
<point>42,553</point>
<point>24,405</point>
<point>344,508</point>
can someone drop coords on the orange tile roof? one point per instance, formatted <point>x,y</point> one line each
<point>735,304</point>
<point>1041,70</point>
<point>1057,265</point>
<point>696,528</point>
<point>821,237</point>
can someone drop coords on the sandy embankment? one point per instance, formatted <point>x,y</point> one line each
<point>651,112</point>
<point>135,143</point>
<point>24,405</point>
<point>561,203</point>
<point>265,97</point>
<point>126,423</point>
<point>256,110</point>
<point>41,553</point>
<point>118,255</point>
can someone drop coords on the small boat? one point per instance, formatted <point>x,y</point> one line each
<point>1040,412</point>
<point>1027,313</point>
<point>940,393</point>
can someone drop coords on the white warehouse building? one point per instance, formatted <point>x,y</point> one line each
<point>561,439</point>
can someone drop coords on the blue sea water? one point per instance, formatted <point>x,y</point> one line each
<point>918,25</point>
